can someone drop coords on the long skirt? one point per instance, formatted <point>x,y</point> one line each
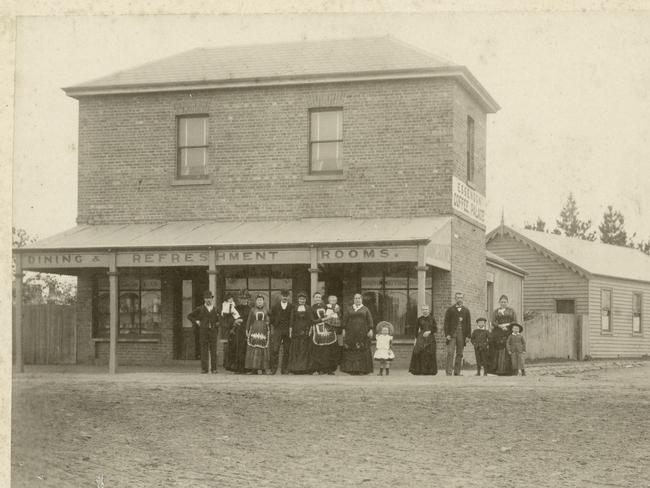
<point>423,360</point>
<point>518,361</point>
<point>257,358</point>
<point>357,361</point>
<point>235,354</point>
<point>501,362</point>
<point>299,361</point>
<point>324,359</point>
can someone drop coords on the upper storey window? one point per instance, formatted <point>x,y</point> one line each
<point>192,146</point>
<point>326,140</point>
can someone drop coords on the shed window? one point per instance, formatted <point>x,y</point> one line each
<point>326,140</point>
<point>192,146</point>
<point>565,306</point>
<point>637,301</point>
<point>606,310</point>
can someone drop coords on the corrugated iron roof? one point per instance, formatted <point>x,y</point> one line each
<point>202,233</point>
<point>293,61</point>
<point>594,258</point>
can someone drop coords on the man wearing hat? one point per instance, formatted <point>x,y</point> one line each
<point>458,328</point>
<point>480,342</point>
<point>207,318</point>
<point>281,321</point>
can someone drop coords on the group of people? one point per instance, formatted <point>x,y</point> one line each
<point>321,337</point>
<point>501,351</point>
<point>317,338</point>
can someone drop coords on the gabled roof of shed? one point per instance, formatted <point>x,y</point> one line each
<point>283,63</point>
<point>584,257</point>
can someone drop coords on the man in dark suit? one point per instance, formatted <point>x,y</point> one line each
<point>281,321</point>
<point>207,318</point>
<point>458,329</point>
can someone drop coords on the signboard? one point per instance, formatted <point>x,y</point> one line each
<point>63,260</point>
<point>262,256</point>
<point>367,254</point>
<point>467,201</point>
<point>162,258</point>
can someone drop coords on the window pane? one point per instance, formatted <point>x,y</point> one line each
<point>394,310</point>
<point>326,156</point>
<point>636,303</point>
<point>636,323</point>
<point>258,283</point>
<point>150,312</point>
<point>281,284</point>
<point>606,307</point>
<point>129,305</point>
<point>150,283</point>
<point>372,300</point>
<point>128,282</point>
<point>192,161</point>
<point>236,284</point>
<point>192,131</point>
<point>326,126</point>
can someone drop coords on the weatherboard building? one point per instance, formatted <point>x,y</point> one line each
<point>344,166</point>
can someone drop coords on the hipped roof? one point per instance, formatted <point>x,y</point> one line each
<point>284,63</point>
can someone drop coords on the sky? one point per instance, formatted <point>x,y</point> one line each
<point>573,87</point>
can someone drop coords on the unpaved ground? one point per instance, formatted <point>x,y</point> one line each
<point>559,426</point>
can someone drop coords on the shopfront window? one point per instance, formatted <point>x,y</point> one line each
<point>390,291</point>
<point>268,281</point>
<point>139,300</point>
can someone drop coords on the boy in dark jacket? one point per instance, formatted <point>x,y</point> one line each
<point>480,341</point>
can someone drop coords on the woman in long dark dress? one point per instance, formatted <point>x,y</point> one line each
<point>358,326</point>
<point>235,327</point>
<point>325,350</point>
<point>423,359</point>
<point>258,334</point>
<point>501,319</point>
<point>299,362</point>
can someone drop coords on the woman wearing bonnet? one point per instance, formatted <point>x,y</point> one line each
<point>501,320</point>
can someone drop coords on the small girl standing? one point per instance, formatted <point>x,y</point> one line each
<point>384,352</point>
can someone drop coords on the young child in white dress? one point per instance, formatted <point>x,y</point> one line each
<point>384,352</point>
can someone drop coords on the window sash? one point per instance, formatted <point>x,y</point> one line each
<point>192,146</point>
<point>326,140</point>
<point>606,310</point>
<point>637,306</point>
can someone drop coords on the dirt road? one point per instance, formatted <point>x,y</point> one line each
<point>555,427</point>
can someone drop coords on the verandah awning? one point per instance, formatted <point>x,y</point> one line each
<point>434,233</point>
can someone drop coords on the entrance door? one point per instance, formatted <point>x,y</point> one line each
<point>189,286</point>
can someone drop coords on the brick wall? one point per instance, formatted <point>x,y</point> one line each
<point>398,140</point>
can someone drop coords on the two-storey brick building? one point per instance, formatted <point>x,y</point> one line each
<point>349,166</point>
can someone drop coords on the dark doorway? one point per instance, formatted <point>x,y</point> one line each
<point>189,285</point>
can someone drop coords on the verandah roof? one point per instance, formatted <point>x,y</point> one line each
<point>204,233</point>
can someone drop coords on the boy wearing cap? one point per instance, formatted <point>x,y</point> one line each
<point>207,319</point>
<point>480,342</point>
<point>516,347</point>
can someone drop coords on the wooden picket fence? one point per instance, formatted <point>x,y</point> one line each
<point>554,336</point>
<point>49,334</point>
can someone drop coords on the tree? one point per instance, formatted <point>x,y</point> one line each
<point>570,223</point>
<point>43,287</point>
<point>539,226</point>
<point>644,246</point>
<point>612,228</point>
